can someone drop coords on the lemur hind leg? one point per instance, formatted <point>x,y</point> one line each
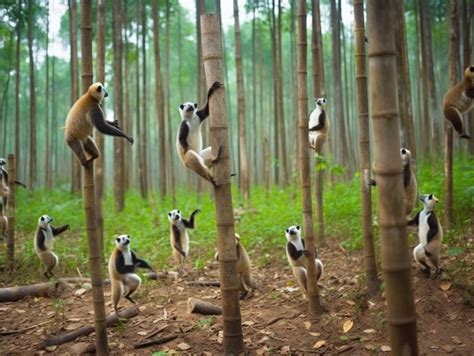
<point>91,149</point>
<point>208,157</point>
<point>455,118</point>
<point>132,281</point>
<point>195,162</point>
<point>78,149</point>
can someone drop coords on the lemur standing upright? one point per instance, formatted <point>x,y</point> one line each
<point>297,255</point>
<point>179,237</point>
<point>430,234</point>
<point>318,125</point>
<point>409,181</point>
<point>122,265</point>
<point>4,189</point>
<point>189,139</point>
<point>44,243</point>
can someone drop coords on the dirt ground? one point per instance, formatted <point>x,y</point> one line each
<point>351,324</point>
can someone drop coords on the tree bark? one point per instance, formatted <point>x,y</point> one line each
<point>76,166</point>
<point>468,58</point>
<point>17,86</point>
<point>99,162</point>
<point>314,304</point>
<point>364,148</point>
<point>94,246</point>
<point>10,260</point>
<point>119,190</point>
<point>448,131</point>
<point>211,47</point>
<point>47,151</point>
<point>32,140</point>
<point>396,263</point>
<point>127,122</point>
<point>244,165</point>
<point>145,134</point>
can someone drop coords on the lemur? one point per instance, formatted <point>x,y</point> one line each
<point>84,115</point>
<point>430,234</point>
<point>4,189</point>
<point>44,243</point>
<point>179,238</point>
<point>318,125</point>
<point>246,282</point>
<point>3,222</point>
<point>189,139</point>
<point>122,265</point>
<point>297,253</point>
<point>458,100</point>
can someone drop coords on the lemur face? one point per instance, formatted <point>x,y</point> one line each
<point>321,102</point>
<point>429,200</point>
<point>3,162</point>
<point>174,216</point>
<point>406,156</point>
<point>97,90</point>
<point>122,241</point>
<point>293,233</point>
<point>44,221</point>
<point>187,110</point>
<point>469,72</point>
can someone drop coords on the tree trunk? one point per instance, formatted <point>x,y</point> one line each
<point>32,143</point>
<point>211,47</point>
<point>127,124</point>
<point>448,130</point>
<point>431,113</point>
<point>466,25</point>
<point>95,253</point>
<point>293,95</point>
<point>119,191</point>
<point>145,134</point>
<point>159,105</point>
<point>314,304</point>
<point>5,95</point>
<point>364,149</point>
<point>17,87</point>
<point>244,165</point>
<point>396,263</point>
<point>342,154</point>
<point>76,166</point>
<point>99,162</point>
<point>138,120</point>
<point>10,258</point>
<point>47,158</point>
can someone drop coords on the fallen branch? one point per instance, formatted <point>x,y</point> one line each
<point>159,330</point>
<point>278,318</point>
<point>159,341</point>
<point>46,289</point>
<point>161,275</point>
<point>52,340</point>
<point>201,307</point>
<point>13,332</point>
<point>204,283</point>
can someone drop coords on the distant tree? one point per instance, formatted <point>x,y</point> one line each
<point>32,140</point>
<point>145,133</point>
<point>47,151</point>
<point>17,86</point>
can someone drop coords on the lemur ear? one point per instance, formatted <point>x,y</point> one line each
<point>117,239</point>
<point>297,227</point>
<point>195,105</point>
<point>179,212</point>
<point>287,230</point>
<point>430,196</point>
<point>181,106</point>
<point>471,68</point>
<point>42,218</point>
<point>404,151</point>
<point>169,214</point>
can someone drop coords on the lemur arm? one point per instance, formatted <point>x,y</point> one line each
<point>414,221</point>
<point>406,175</point>
<point>183,135</point>
<point>203,112</point>
<point>470,93</point>
<point>177,241</point>
<point>293,252</point>
<point>40,239</point>
<point>190,224</point>
<point>320,125</point>
<point>433,227</point>
<point>59,230</point>
<point>140,263</point>
<point>120,265</point>
<point>97,118</point>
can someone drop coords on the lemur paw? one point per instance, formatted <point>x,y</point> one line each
<point>216,85</point>
<point>466,136</point>
<point>130,139</point>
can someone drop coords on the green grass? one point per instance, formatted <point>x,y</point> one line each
<point>261,229</point>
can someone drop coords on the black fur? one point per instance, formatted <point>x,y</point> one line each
<point>294,252</point>
<point>322,120</point>
<point>40,237</point>
<point>433,225</point>
<point>415,221</point>
<point>122,268</point>
<point>183,135</point>
<point>203,113</point>
<point>406,175</point>
<point>190,224</point>
<point>177,241</point>
<point>97,118</point>
<point>59,230</point>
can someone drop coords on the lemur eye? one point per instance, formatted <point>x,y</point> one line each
<point>169,214</point>
<point>99,88</point>
<point>471,68</point>
<point>42,218</point>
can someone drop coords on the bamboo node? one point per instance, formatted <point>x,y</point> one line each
<point>402,321</point>
<point>218,127</point>
<point>211,56</point>
<point>385,114</point>
<point>225,223</point>
<point>226,289</point>
<point>381,53</point>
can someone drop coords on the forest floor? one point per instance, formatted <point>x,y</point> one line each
<point>351,324</point>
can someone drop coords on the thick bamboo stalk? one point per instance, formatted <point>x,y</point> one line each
<point>396,262</point>
<point>448,131</point>
<point>314,305</point>
<point>364,148</point>
<point>211,49</point>
<point>94,245</point>
<point>11,214</point>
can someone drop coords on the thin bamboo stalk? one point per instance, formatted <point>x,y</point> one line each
<point>211,49</point>
<point>314,305</point>
<point>11,214</point>
<point>396,262</point>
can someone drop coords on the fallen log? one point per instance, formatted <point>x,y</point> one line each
<point>202,307</point>
<point>159,341</point>
<point>204,283</point>
<point>161,275</point>
<point>46,289</point>
<point>52,340</point>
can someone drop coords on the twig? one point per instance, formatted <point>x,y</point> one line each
<point>159,330</point>
<point>278,318</point>
<point>79,272</point>
<point>159,341</point>
<point>13,332</point>
<point>204,283</point>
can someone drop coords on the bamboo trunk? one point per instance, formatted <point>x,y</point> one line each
<point>211,48</point>
<point>396,262</point>
<point>94,245</point>
<point>17,84</point>
<point>11,214</point>
<point>32,137</point>
<point>314,304</point>
<point>364,148</point>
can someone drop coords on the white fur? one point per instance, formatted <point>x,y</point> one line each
<point>423,227</point>
<point>194,124</point>
<point>48,234</point>
<point>174,217</point>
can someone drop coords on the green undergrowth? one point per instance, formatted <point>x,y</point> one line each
<point>261,227</point>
